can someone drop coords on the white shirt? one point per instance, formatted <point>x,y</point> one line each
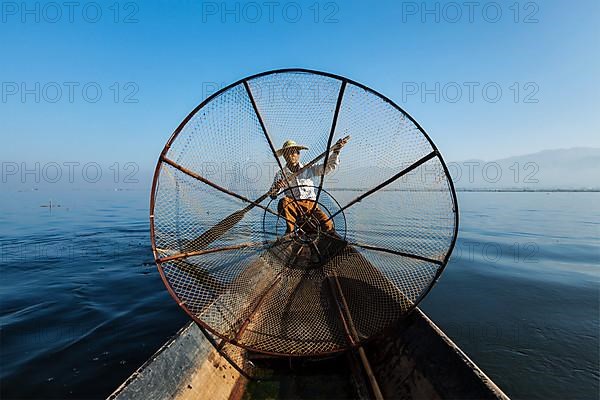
<point>303,185</point>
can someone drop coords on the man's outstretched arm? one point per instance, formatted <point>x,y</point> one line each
<point>332,162</point>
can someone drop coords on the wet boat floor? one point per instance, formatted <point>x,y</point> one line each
<point>303,379</point>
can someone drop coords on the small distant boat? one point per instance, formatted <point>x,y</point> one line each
<point>50,205</point>
<point>415,360</point>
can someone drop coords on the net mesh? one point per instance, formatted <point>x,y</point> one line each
<point>221,243</point>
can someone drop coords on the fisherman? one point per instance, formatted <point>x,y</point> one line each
<point>301,200</point>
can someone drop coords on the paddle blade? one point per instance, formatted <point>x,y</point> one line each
<point>214,233</point>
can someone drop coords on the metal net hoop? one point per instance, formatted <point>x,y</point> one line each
<point>216,233</point>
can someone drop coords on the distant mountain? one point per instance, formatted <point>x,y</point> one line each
<point>575,168</point>
<point>563,169</point>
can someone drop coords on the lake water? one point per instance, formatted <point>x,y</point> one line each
<point>82,304</point>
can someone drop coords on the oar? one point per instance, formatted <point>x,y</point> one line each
<point>229,222</point>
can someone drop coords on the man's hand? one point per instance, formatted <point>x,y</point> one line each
<point>339,144</point>
<point>276,186</point>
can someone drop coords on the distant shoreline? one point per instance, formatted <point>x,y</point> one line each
<point>595,190</point>
<point>530,190</point>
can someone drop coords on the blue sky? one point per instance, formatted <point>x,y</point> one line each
<point>171,52</point>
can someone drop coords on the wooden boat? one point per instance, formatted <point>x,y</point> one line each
<point>412,359</point>
<point>415,361</point>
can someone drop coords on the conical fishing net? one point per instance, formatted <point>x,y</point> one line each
<point>221,242</point>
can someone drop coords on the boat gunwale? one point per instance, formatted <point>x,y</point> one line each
<point>417,315</point>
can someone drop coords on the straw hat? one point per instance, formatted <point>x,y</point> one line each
<point>290,144</point>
